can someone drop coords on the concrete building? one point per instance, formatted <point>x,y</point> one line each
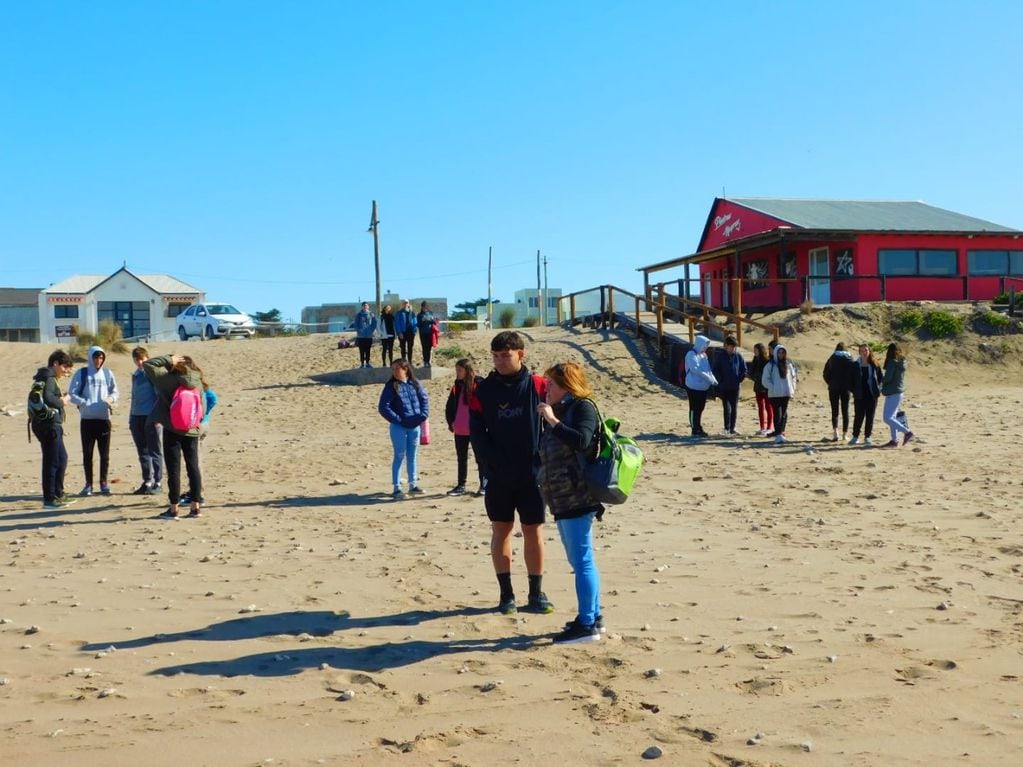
<point>145,306</point>
<point>19,314</point>
<point>527,304</point>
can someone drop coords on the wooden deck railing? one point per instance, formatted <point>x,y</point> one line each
<point>659,307</point>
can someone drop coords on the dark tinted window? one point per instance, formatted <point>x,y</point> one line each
<point>896,261</point>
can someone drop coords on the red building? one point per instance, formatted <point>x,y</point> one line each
<point>780,252</point>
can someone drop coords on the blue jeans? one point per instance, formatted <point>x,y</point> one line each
<point>577,537</point>
<point>406,448</point>
<point>891,409</point>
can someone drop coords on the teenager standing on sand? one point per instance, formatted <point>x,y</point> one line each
<point>49,431</point>
<point>866,390</point>
<point>893,387</point>
<point>404,404</point>
<point>780,380</point>
<point>505,431</point>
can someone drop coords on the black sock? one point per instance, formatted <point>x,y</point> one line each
<point>504,581</point>
<point>535,585</point>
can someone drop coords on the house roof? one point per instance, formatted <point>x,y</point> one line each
<point>868,215</point>
<point>85,283</point>
<point>19,297</point>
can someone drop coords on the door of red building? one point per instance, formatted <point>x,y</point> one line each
<point>820,277</point>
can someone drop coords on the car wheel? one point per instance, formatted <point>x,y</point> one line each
<point>181,333</point>
<point>209,332</point>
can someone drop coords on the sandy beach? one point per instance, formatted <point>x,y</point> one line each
<point>805,604</point>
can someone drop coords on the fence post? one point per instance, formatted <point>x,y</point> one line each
<point>637,317</point>
<point>884,287</point>
<point>610,307</point>
<point>738,310</point>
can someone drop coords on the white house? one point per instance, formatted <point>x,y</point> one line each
<point>145,306</point>
<point>527,304</point>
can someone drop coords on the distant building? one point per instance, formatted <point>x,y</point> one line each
<point>19,314</point>
<point>780,252</point>
<point>527,304</point>
<point>334,318</point>
<point>145,306</point>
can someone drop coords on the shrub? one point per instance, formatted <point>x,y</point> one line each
<point>943,324</point>
<point>530,322</point>
<point>506,318</point>
<point>878,347</point>
<point>453,352</point>
<point>1001,298</point>
<point>994,320</point>
<point>910,320</point>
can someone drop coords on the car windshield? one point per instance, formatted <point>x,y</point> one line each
<point>222,309</point>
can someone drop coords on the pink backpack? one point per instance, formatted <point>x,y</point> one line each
<point>186,409</point>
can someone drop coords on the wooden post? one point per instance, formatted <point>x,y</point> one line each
<point>610,307</point>
<point>637,317</point>
<point>571,308</point>
<point>738,310</point>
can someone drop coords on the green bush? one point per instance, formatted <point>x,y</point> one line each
<point>943,324</point>
<point>878,347</point>
<point>506,318</point>
<point>530,322</point>
<point>910,320</point>
<point>995,320</point>
<point>453,352</point>
<point>1001,298</point>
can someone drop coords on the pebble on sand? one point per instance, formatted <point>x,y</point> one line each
<point>654,752</point>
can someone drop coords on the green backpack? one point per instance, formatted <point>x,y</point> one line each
<point>611,470</point>
<point>36,407</point>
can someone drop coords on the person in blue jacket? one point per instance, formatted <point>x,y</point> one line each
<point>365,329</point>
<point>405,329</point>
<point>405,405</point>
<point>730,370</point>
<point>145,432</point>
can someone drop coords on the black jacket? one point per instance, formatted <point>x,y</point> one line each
<point>51,393</point>
<point>560,475</point>
<point>840,372</point>
<point>868,381</point>
<point>504,426</point>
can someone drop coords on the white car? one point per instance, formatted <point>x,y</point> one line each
<point>213,320</point>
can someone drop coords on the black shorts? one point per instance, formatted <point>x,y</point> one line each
<point>503,499</point>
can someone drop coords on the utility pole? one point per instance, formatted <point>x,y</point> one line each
<point>546,290</point>
<point>539,290</point>
<point>374,227</point>
<point>490,287</point>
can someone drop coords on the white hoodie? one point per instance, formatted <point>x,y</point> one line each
<point>99,385</point>
<point>698,373</point>
<point>776,385</point>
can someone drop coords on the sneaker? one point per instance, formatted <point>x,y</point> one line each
<point>457,490</point>
<point>868,442</point>
<point>169,514</point>
<point>890,443</point>
<point>598,624</point>
<point>397,494</point>
<point>482,491</point>
<point>540,604</point>
<point>908,438</point>
<point>416,490</point>
<point>854,441</point>
<point>185,499</point>
<point>85,491</point>
<point>780,438</point>
<point>56,503</point>
<point>195,513</point>
<point>104,488</point>
<point>156,488</point>
<point>507,606</point>
<point>67,499</point>
<point>577,633</point>
<point>142,490</point>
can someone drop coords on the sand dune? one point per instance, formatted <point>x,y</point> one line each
<point>848,606</point>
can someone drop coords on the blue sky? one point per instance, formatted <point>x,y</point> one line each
<point>238,145</point>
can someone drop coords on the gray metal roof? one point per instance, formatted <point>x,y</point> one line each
<point>868,215</point>
<point>84,283</point>
<point>19,296</point>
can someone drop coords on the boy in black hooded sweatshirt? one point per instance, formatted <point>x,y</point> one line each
<point>50,431</point>
<point>505,433</point>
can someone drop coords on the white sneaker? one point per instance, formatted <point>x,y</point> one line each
<point>854,440</point>
<point>868,442</point>
<point>780,438</point>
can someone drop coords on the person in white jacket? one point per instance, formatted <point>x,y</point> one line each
<point>779,378</point>
<point>698,380</point>
<point>94,391</point>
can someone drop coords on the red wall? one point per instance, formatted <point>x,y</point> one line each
<point>729,222</point>
<point>863,285</point>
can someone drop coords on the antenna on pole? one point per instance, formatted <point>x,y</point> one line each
<point>546,292</point>
<point>490,287</point>
<point>374,227</point>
